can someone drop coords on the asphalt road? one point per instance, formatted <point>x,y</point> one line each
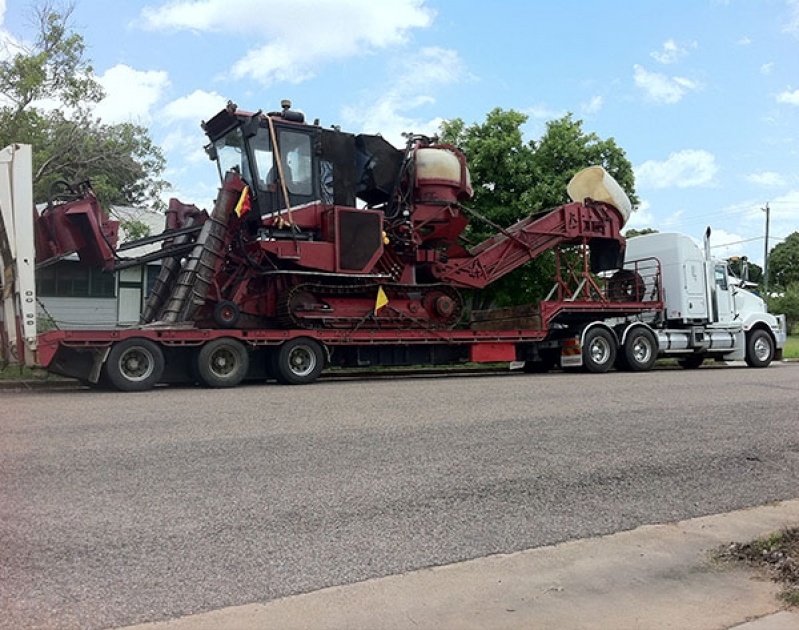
<point>122,508</point>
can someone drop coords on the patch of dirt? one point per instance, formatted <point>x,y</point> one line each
<point>777,555</point>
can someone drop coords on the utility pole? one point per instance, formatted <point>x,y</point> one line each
<point>765,254</point>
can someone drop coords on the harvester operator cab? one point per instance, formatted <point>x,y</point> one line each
<point>276,172</point>
<point>282,159</point>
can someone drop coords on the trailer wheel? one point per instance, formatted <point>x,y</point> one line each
<point>226,314</point>
<point>134,365</point>
<point>298,361</point>
<point>222,363</point>
<point>599,350</point>
<point>692,361</point>
<point>640,350</point>
<point>759,348</point>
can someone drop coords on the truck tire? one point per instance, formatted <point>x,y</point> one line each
<point>134,365</point>
<point>298,361</point>
<point>759,348</point>
<point>599,350</point>
<point>222,363</point>
<point>640,350</point>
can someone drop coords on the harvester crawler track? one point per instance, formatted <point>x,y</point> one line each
<point>319,305</point>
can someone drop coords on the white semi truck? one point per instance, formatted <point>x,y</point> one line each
<point>706,312</point>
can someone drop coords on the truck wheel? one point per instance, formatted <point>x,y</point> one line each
<point>134,365</point>
<point>226,314</point>
<point>222,363</point>
<point>692,361</point>
<point>759,348</point>
<point>599,350</point>
<point>298,361</point>
<point>640,350</point>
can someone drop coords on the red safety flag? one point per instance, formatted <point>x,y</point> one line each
<point>243,206</point>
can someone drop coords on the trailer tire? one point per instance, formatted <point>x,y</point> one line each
<point>599,350</point>
<point>134,365</point>
<point>226,314</point>
<point>640,350</point>
<point>222,363</point>
<point>759,348</point>
<point>298,361</point>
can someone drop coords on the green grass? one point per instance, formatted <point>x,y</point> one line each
<point>20,373</point>
<point>791,350</point>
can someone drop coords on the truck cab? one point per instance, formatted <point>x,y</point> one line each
<point>705,312</point>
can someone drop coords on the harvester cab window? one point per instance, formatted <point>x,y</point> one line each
<point>264,160</point>
<point>295,155</point>
<point>231,156</point>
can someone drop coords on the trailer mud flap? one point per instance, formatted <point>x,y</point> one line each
<point>571,353</point>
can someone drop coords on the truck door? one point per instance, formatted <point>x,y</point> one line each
<point>722,295</point>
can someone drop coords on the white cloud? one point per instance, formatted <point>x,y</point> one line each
<point>726,244</point>
<point>642,218</point>
<point>194,106</point>
<point>9,45</point>
<point>414,83</point>
<point>684,169</point>
<point>671,52</point>
<point>767,68</point>
<point>792,25</point>
<point>299,38</point>
<point>788,97</point>
<point>662,88</point>
<point>744,41</point>
<point>544,112</point>
<point>130,94</point>
<point>593,105</point>
<point>767,179</point>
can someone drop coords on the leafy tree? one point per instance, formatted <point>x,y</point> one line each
<point>134,229</point>
<point>754,271</point>
<point>50,91</point>
<point>783,262</point>
<point>786,302</point>
<point>513,179</point>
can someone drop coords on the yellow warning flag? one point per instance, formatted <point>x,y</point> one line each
<point>382,299</point>
<point>243,206</point>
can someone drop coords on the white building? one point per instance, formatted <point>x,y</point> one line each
<point>73,296</point>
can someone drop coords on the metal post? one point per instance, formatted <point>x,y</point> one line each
<point>765,254</point>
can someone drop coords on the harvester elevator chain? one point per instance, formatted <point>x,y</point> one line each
<point>439,306</point>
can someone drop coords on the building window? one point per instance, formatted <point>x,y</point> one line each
<point>72,279</point>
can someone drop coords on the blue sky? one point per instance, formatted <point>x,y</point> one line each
<point>703,95</point>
